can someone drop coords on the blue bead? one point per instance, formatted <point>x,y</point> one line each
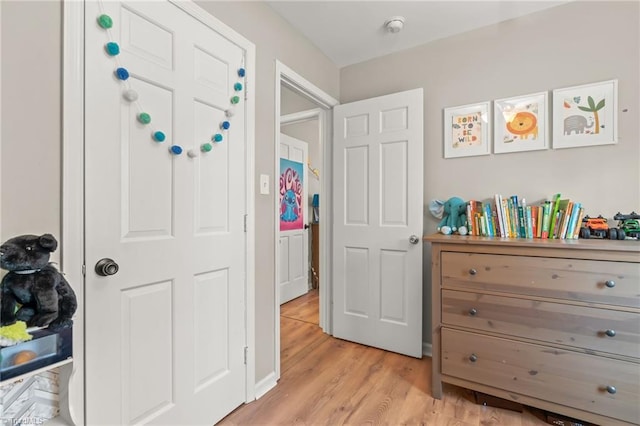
<point>112,48</point>
<point>217,137</point>
<point>176,149</point>
<point>122,73</point>
<point>225,125</point>
<point>241,72</point>
<point>237,87</point>
<point>159,136</point>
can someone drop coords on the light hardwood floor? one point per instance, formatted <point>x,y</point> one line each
<point>327,381</point>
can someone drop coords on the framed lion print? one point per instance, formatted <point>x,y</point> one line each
<point>520,123</point>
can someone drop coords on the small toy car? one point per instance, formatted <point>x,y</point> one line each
<point>628,225</point>
<point>597,227</point>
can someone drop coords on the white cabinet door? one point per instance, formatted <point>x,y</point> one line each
<point>377,228</point>
<point>165,335</point>
<point>294,239</point>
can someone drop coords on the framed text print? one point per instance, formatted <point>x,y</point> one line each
<point>466,130</point>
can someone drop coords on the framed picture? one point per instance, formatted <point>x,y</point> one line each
<point>585,115</point>
<point>520,123</point>
<point>466,130</point>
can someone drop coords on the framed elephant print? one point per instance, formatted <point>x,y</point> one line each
<point>520,123</point>
<point>585,115</point>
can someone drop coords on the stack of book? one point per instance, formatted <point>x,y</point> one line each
<point>511,217</point>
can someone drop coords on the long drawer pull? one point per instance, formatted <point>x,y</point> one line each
<point>474,358</point>
<point>610,283</point>
<point>473,311</point>
<point>610,333</point>
<point>472,271</point>
<point>611,389</point>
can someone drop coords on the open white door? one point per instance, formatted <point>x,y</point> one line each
<point>377,244</point>
<point>294,236</point>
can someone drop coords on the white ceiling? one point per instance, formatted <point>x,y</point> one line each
<point>349,32</point>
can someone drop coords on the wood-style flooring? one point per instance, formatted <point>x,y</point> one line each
<point>327,381</point>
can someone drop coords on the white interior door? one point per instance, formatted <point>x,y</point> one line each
<point>165,336</point>
<point>377,244</point>
<point>294,236</point>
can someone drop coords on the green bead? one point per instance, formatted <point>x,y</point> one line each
<point>105,21</point>
<point>144,118</point>
<point>235,99</point>
<point>206,147</point>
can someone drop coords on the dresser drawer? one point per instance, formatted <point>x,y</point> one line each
<point>564,377</point>
<point>614,283</point>
<point>584,327</point>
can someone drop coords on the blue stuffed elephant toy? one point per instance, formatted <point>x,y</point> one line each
<point>453,213</point>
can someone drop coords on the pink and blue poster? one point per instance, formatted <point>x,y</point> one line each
<point>291,186</point>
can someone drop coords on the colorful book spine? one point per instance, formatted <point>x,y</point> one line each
<point>529,221</point>
<point>565,220</point>
<point>489,219</point>
<point>499,215</point>
<point>554,215</point>
<point>575,209</point>
<point>576,232</point>
<point>515,217</point>
<point>507,216</point>
<point>546,219</point>
<point>522,220</point>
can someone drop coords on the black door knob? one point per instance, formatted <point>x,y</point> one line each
<point>106,267</point>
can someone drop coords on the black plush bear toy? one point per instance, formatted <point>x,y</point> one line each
<point>34,291</point>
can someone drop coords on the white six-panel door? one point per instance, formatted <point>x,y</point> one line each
<point>377,244</point>
<point>294,244</point>
<point>165,336</point>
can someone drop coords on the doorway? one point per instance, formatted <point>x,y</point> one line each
<point>317,104</point>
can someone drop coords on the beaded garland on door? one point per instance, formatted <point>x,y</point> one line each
<point>113,49</point>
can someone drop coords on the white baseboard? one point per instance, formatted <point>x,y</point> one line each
<point>266,384</point>
<point>427,349</point>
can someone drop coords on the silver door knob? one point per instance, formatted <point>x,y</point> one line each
<point>105,267</point>
<point>414,239</point>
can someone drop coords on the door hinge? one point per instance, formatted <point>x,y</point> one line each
<point>245,222</point>
<point>84,270</point>
<point>246,352</point>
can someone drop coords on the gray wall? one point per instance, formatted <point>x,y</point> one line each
<point>31,118</point>
<point>577,43</point>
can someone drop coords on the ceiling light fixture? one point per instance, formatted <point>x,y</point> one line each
<point>394,24</point>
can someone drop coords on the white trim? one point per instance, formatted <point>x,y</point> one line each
<point>266,384</point>
<point>294,81</point>
<point>72,253</point>
<point>427,349</point>
<point>72,244</point>
<point>301,117</point>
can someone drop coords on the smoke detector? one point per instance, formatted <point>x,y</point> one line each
<point>394,24</point>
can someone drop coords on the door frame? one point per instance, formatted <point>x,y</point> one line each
<point>72,202</point>
<point>285,76</point>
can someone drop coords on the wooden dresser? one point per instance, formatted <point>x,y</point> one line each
<point>553,324</point>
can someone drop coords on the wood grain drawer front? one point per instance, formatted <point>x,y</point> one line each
<point>614,283</point>
<point>564,377</point>
<point>595,329</point>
